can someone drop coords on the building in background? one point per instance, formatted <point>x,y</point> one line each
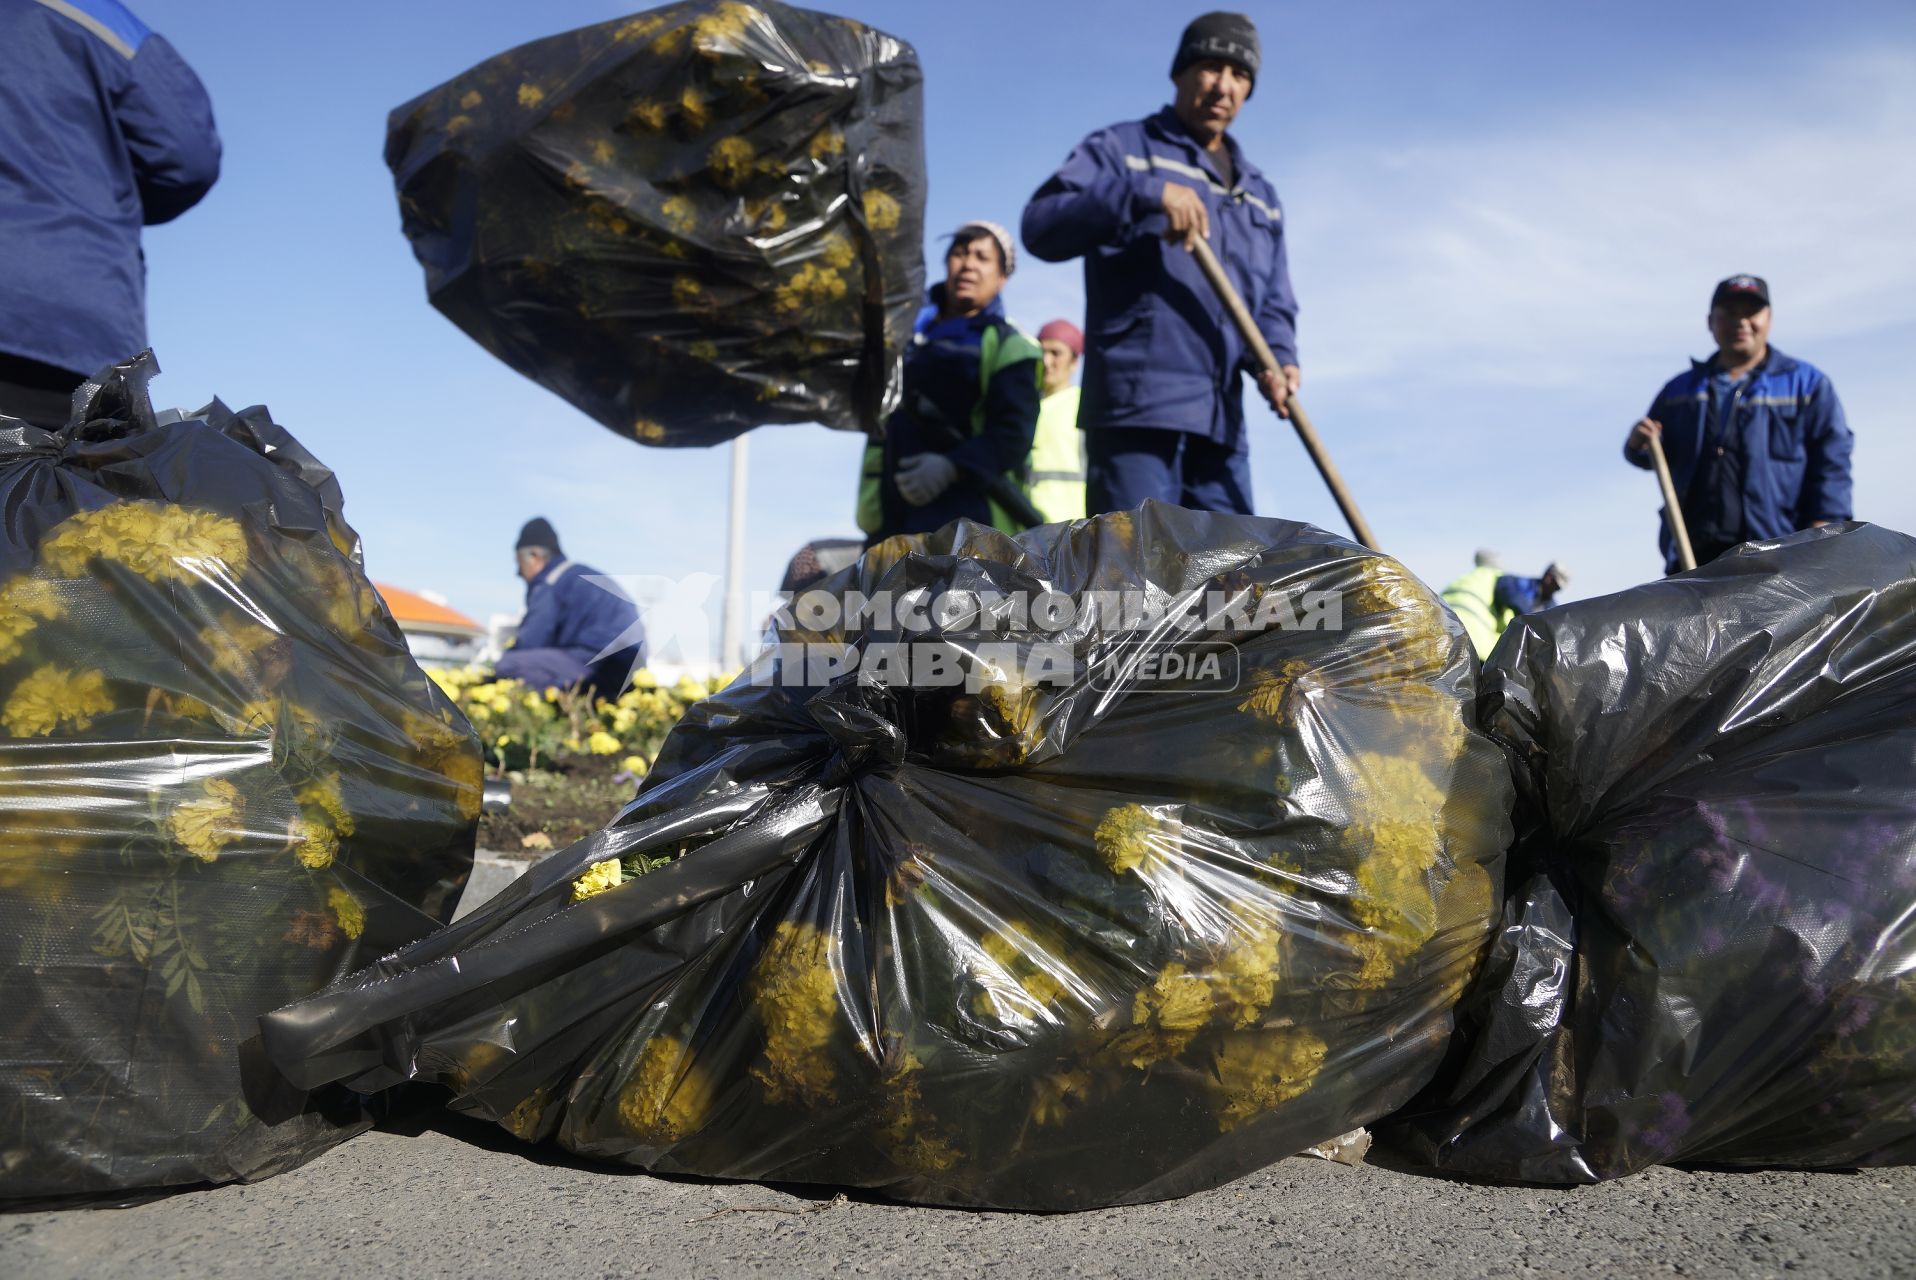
<point>437,634</point>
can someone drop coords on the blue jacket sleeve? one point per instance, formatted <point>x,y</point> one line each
<point>1089,202</point>
<point>1277,313</point>
<point>167,122</point>
<point>1011,419</point>
<point>1642,460</point>
<point>1827,439</point>
<point>1521,595</point>
<point>539,629</point>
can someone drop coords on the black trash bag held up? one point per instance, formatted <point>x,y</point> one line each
<point>1015,942</point>
<point>223,784</point>
<point>690,222</point>
<point>1711,953</point>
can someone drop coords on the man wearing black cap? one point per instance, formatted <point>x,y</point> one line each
<point>573,620</point>
<point>1162,399</point>
<point>1756,440</point>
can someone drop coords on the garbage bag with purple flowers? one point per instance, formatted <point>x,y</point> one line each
<point>1711,953</point>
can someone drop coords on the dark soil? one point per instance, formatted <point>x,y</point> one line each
<point>564,804</point>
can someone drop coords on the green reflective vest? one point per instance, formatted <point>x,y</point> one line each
<point>1057,458</point>
<point>1473,598</point>
<point>998,346</point>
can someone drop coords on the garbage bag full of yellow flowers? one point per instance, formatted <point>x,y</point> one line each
<point>689,222</point>
<point>1097,865</point>
<point>223,784</point>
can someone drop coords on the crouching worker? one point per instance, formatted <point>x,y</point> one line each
<point>578,630</point>
<point>970,404</point>
<point>1487,600</point>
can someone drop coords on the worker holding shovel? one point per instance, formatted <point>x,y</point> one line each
<point>1162,398</point>
<point>1748,444</point>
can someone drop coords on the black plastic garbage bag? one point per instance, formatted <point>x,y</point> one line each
<point>688,223</point>
<point>1711,953</point>
<point>1094,924</point>
<point>223,784</point>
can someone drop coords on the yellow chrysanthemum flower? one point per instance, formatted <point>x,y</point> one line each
<point>598,878</point>
<point>1258,1071</point>
<point>52,696</point>
<point>826,143</point>
<point>634,765</point>
<point>1270,691</point>
<point>732,161</point>
<point>795,992</point>
<point>838,252</point>
<point>1128,834</point>
<point>24,604</point>
<point>881,211</point>
<point>667,1096</point>
<point>648,115</point>
<point>209,824</point>
<point>679,214</point>
<point>811,284</point>
<point>315,843</point>
<point>346,910</point>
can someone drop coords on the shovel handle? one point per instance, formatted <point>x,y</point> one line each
<point>1313,444</point>
<point>1671,511</point>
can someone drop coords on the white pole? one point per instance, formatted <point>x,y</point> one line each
<point>732,638</point>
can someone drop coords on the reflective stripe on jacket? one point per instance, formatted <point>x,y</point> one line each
<point>1788,430</point>
<point>1160,349</point>
<point>1057,458</point>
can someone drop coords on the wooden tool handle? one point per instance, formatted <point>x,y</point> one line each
<point>1313,444</point>
<point>1672,512</point>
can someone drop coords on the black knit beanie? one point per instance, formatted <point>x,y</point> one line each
<point>538,533</point>
<point>1231,37</point>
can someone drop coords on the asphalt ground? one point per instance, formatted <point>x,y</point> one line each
<point>436,1194</point>
<point>459,1198</point>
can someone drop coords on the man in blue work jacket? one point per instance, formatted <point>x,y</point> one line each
<point>573,621</point>
<point>1756,440</point>
<point>1163,403</point>
<point>103,129</point>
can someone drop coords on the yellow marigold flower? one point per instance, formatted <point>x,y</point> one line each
<point>503,740</point>
<point>467,773</point>
<point>158,541</point>
<point>732,160</point>
<point>634,765</point>
<point>603,151</point>
<point>667,1095</point>
<point>315,843</point>
<point>642,679</point>
<point>531,95</point>
<point>827,142</point>
<point>346,910</point>
<point>1270,691</point>
<point>679,214</point>
<point>693,109</point>
<point>638,28</point>
<point>903,1131</point>
<point>686,292</point>
<point>1248,969</point>
<point>24,604</point>
<point>838,252</point>
<point>1259,1071</point>
<point>881,211</point>
<point>811,284</point>
<point>795,991</point>
<point>670,41</point>
<point>1130,833</point>
<point>324,793</point>
<point>209,824</point>
<point>646,429</point>
<point>598,878</point>
<point>650,116</point>
<point>232,645</point>
<point>52,696</point>
<point>601,743</point>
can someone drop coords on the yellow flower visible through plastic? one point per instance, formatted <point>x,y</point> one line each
<point>1257,1072</point>
<point>315,843</point>
<point>667,1095</point>
<point>1127,835</point>
<point>732,160</point>
<point>53,696</point>
<point>159,541</point>
<point>795,993</point>
<point>881,211</point>
<point>210,823</point>
<point>24,604</point>
<point>346,910</point>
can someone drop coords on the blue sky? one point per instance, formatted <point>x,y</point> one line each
<point>1505,220</point>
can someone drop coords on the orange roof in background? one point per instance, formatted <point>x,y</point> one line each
<point>409,608</point>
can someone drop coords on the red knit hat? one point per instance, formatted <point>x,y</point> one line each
<point>1066,332</point>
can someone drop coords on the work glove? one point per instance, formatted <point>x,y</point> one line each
<point>923,476</point>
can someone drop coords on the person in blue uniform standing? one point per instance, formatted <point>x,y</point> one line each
<point>1756,440</point>
<point>1163,407</point>
<point>104,129</point>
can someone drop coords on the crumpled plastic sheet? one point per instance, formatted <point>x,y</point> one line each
<point>1710,956</point>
